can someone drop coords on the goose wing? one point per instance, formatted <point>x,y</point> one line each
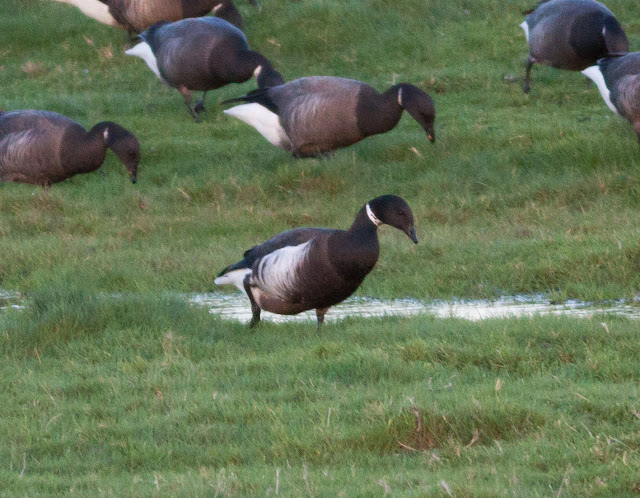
<point>293,237</point>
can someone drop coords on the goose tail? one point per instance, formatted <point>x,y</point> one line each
<point>252,96</point>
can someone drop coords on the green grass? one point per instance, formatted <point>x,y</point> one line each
<point>149,396</point>
<point>144,395</point>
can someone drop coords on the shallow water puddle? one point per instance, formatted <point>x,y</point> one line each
<point>10,299</point>
<point>236,307</point>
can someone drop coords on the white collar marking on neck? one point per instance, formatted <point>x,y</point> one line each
<point>374,219</point>
<point>400,96</point>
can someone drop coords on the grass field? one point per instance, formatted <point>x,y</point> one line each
<point>520,194</point>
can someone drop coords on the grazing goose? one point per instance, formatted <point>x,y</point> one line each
<point>316,115</point>
<point>137,15</point>
<point>43,147</point>
<point>618,79</point>
<point>204,53</point>
<point>315,268</point>
<point>571,34</point>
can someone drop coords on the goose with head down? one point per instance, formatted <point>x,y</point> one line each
<point>316,115</point>
<point>202,54</point>
<point>571,35</point>
<point>43,147</point>
<point>316,268</point>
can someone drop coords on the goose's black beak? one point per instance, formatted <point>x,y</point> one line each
<point>411,232</point>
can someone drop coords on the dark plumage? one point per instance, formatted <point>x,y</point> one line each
<point>618,79</point>
<point>571,35</point>
<point>203,54</point>
<point>316,115</point>
<point>225,9</point>
<point>315,268</point>
<point>44,147</point>
<point>137,15</point>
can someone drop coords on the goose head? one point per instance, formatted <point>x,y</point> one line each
<point>419,104</point>
<point>266,75</point>
<point>392,210</point>
<point>125,145</point>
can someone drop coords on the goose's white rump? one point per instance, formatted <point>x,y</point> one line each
<point>94,9</point>
<point>143,50</point>
<point>235,277</point>
<point>262,119</point>
<point>525,28</point>
<point>595,74</point>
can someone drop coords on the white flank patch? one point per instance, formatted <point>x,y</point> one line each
<point>14,146</point>
<point>595,74</point>
<point>277,272</point>
<point>143,50</point>
<point>235,277</point>
<point>262,119</point>
<point>95,10</point>
<point>525,28</point>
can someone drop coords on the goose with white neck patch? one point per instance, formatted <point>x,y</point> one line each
<point>618,79</point>
<point>316,268</point>
<point>43,147</point>
<point>570,35</point>
<point>316,115</point>
<point>202,54</point>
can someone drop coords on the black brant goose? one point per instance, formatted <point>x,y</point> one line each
<point>316,115</point>
<point>203,54</point>
<point>43,147</point>
<point>618,79</point>
<point>315,268</point>
<point>137,15</point>
<point>571,34</point>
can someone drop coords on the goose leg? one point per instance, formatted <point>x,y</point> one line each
<point>320,312</point>
<point>527,75</point>
<point>187,101</point>
<point>129,39</point>
<point>255,309</point>
<point>199,107</point>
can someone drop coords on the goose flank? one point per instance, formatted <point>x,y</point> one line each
<point>137,15</point>
<point>43,147</point>
<point>570,35</point>
<point>202,54</point>
<point>316,115</point>
<point>316,268</point>
<point>618,79</point>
